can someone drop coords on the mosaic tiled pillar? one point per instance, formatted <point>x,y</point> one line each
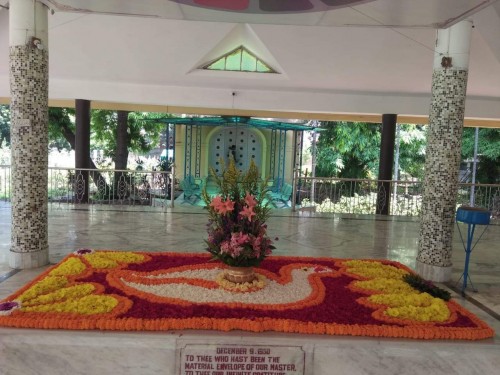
<point>449,85</point>
<point>29,133</point>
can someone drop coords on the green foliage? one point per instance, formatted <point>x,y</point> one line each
<point>163,164</point>
<point>488,145</point>
<point>488,151</point>
<point>425,286</point>
<point>60,121</point>
<point>4,125</point>
<point>61,127</point>
<point>347,149</point>
<point>234,185</point>
<point>412,143</point>
<point>352,150</point>
<point>103,134</point>
<point>143,133</point>
<point>411,205</point>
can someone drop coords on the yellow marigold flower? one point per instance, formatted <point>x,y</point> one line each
<point>397,300</point>
<point>111,259</point>
<point>72,266</point>
<point>374,269</point>
<point>122,256</point>
<point>437,312</point>
<point>44,286</point>
<point>385,285</point>
<point>91,304</point>
<point>355,263</point>
<point>72,292</point>
<point>97,260</point>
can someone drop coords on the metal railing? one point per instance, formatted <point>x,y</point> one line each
<point>104,187</point>
<point>336,195</point>
<point>481,195</point>
<point>356,196</point>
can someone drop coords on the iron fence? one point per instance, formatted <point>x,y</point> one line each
<point>357,196</point>
<point>101,187</point>
<point>335,195</point>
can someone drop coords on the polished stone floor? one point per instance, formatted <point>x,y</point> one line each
<point>183,229</point>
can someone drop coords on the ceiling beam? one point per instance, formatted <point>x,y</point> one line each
<point>353,117</point>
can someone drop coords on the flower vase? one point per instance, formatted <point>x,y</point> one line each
<point>239,275</point>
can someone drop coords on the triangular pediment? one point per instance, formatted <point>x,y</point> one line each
<point>241,50</point>
<point>240,59</point>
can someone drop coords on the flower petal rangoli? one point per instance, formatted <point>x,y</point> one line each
<point>115,290</point>
<point>298,285</point>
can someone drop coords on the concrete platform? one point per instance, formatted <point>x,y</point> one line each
<point>27,351</point>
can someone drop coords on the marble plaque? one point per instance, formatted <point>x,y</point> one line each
<point>238,359</point>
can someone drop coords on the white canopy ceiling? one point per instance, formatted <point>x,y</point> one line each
<point>370,58</point>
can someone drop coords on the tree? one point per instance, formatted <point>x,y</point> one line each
<point>4,125</point>
<point>488,150</point>
<point>347,149</point>
<point>62,128</point>
<point>62,136</point>
<point>118,133</point>
<point>412,143</point>
<point>352,150</point>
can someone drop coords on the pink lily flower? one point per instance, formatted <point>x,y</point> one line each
<point>229,205</point>
<point>216,203</point>
<point>220,206</point>
<point>247,212</point>
<point>250,200</point>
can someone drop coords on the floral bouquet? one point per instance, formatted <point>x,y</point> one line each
<point>237,233</point>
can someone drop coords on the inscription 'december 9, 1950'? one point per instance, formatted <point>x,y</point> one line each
<point>198,359</point>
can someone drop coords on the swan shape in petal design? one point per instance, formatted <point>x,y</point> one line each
<point>298,285</point>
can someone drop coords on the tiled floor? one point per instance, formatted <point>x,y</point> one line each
<point>343,236</point>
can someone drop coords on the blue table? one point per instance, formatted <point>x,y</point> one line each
<point>472,216</point>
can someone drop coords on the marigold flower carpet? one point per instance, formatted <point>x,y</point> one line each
<point>114,290</point>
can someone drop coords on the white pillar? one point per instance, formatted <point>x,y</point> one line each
<point>442,161</point>
<point>28,60</point>
<point>27,19</point>
<point>454,43</point>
